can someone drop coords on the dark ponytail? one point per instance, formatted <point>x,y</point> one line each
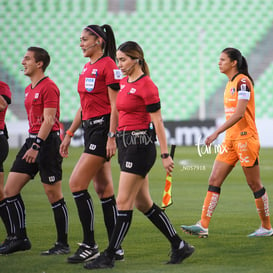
<point>106,33</point>
<point>110,43</point>
<point>242,66</point>
<point>244,69</point>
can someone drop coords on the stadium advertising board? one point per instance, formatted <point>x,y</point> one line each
<point>181,133</point>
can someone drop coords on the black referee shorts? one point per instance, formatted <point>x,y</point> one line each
<point>95,135</point>
<point>4,150</point>
<point>48,163</point>
<point>136,155</point>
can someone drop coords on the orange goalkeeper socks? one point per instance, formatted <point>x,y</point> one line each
<point>262,206</point>
<point>209,205</point>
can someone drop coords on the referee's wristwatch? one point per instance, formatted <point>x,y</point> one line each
<point>35,147</point>
<point>165,155</point>
<point>111,134</point>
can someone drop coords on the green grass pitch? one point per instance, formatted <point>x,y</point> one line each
<point>226,250</point>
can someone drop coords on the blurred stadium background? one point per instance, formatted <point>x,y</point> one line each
<point>182,40</point>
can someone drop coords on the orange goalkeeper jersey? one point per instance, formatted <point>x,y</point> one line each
<point>240,87</point>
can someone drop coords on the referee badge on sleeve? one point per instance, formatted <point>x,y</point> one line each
<point>117,74</point>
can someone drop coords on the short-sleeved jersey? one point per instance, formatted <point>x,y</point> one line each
<point>93,87</point>
<point>45,94</point>
<point>5,92</point>
<point>132,101</point>
<point>240,87</point>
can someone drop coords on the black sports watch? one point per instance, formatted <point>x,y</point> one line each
<point>35,147</point>
<point>166,155</point>
<point>111,134</point>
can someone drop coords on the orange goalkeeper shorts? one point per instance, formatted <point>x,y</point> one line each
<point>244,150</point>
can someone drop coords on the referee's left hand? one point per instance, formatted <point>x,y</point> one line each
<point>30,155</point>
<point>168,164</point>
<point>111,147</point>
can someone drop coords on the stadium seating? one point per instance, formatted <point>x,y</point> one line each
<point>182,41</point>
<point>263,94</point>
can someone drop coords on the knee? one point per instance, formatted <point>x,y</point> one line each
<point>214,180</point>
<point>103,190</point>
<point>75,186</point>
<point>125,204</point>
<point>141,207</point>
<point>144,206</point>
<point>254,185</point>
<point>53,195</point>
<point>8,193</point>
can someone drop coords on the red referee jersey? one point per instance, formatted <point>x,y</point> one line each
<point>92,87</point>
<point>4,91</point>
<point>44,95</point>
<point>132,101</point>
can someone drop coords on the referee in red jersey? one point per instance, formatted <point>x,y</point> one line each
<point>5,100</point>
<point>98,86</point>
<point>40,153</point>
<point>138,104</point>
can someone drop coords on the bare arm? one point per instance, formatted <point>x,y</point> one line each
<point>160,131</point>
<point>111,142</point>
<point>49,118</point>
<point>238,114</point>
<point>73,128</point>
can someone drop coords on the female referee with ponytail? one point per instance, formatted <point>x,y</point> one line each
<point>241,143</point>
<point>138,104</point>
<point>98,86</point>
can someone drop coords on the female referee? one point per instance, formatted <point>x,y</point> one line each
<point>98,86</point>
<point>241,143</point>
<point>5,100</point>
<point>138,104</point>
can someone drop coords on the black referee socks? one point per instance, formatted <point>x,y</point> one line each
<point>61,220</point>
<point>110,214</point>
<point>124,220</point>
<point>16,209</point>
<point>162,222</point>
<point>5,217</point>
<point>86,214</point>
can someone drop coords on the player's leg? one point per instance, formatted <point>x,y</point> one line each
<point>84,171</point>
<point>4,148</point>
<point>103,184</point>
<point>249,159</point>
<point>3,208</point>
<point>4,213</point>
<point>50,167</point>
<point>21,172</point>
<point>60,212</point>
<point>180,249</point>
<point>129,185</point>
<point>16,209</point>
<point>219,173</point>
<point>261,200</point>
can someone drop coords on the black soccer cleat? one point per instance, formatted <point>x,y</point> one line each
<point>178,255</point>
<point>6,241</point>
<point>15,244</point>
<point>83,254</point>
<point>119,255</point>
<point>102,261</point>
<point>57,249</point>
